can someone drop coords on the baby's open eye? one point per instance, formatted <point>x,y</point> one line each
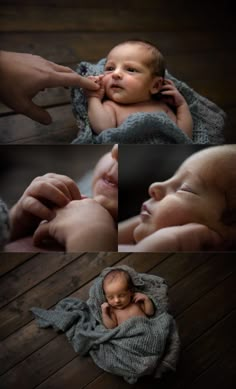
<point>131,70</point>
<point>109,68</point>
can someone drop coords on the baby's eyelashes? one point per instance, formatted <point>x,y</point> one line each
<point>186,188</point>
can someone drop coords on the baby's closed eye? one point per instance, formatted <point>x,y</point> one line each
<point>186,188</point>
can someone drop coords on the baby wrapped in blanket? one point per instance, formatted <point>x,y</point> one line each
<point>139,345</point>
<point>139,102</point>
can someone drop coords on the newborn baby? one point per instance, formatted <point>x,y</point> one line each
<point>122,303</point>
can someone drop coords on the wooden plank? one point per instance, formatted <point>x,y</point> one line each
<point>143,262</point>
<point>221,374</point>
<point>74,375</point>
<point>179,265</point>
<point>32,273</point>
<point>20,129</point>
<point>72,47</point>
<point>206,311</point>
<point>9,262</point>
<point>51,290</point>
<point>200,281</point>
<point>122,4</point>
<point>206,350</point>
<point>39,365</point>
<point>46,18</point>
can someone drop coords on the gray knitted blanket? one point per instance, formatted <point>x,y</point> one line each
<point>4,224</point>
<point>151,128</point>
<point>139,346</point>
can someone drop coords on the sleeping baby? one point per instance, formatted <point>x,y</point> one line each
<point>122,303</point>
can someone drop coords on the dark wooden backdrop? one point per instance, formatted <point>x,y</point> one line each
<point>197,38</point>
<point>203,301</point>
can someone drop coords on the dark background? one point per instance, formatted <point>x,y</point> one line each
<point>19,165</point>
<point>140,166</point>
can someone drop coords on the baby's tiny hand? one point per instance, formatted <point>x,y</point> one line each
<point>105,307</point>
<point>99,93</point>
<point>138,297</point>
<point>171,95</point>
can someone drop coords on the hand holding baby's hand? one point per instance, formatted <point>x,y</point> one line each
<point>99,93</point>
<point>171,95</point>
<point>139,297</point>
<point>37,202</point>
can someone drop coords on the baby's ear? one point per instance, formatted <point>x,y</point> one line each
<point>156,85</point>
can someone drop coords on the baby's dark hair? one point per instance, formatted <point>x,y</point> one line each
<point>113,274</point>
<point>157,63</point>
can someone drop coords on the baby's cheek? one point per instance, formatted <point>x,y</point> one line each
<point>143,230</point>
<point>173,213</point>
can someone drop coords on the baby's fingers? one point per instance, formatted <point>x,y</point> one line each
<point>41,234</point>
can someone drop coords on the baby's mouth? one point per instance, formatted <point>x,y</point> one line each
<point>110,181</point>
<point>145,211</point>
<point>115,86</point>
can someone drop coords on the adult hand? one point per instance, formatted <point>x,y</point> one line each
<point>37,202</point>
<point>24,75</point>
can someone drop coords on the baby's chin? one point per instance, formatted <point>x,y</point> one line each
<point>140,232</point>
<point>110,205</point>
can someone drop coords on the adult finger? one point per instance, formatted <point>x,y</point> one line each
<point>72,79</point>
<point>35,207</point>
<point>36,113</point>
<point>49,192</point>
<point>64,183</point>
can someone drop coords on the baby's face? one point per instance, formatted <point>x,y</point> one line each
<point>117,293</point>
<point>127,77</point>
<point>196,193</point>
<point>105,181</point>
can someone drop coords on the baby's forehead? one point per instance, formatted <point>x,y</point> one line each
<point>214,166</point>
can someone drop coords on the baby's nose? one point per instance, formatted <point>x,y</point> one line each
<point>114,152</point>
<point>117,73</point>
<point>157,191</point>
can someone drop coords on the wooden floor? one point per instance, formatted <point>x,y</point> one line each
<point>197,40</point>
<point>203,301</point>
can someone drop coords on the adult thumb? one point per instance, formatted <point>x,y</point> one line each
<point>36,113</point>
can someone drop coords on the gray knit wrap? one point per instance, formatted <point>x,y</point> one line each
<point>150,127</point>
<point>139,346</point>
<point>4,224</point>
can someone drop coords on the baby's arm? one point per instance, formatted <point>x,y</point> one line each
<point>145,303</point>
<point>37,202</point>
<point>101,114</point>
<point>82,225</point>
<point>189,237</point>
<point>126,229</point>
<point>108,319</point>
<point>183,116</point>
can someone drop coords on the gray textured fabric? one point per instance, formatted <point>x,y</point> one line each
<point>139,346</point>
<point>151,128</point>
<point>4,224</point>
